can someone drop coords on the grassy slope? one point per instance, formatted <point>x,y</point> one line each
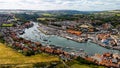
<point>79,66</point>
<point>76,64</point>
<point>85,66</point>
<point>9,56</point>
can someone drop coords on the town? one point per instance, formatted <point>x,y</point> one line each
<point>80,28</point>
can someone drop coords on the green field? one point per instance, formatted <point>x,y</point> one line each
<point>7,25</point>
<point>47,14</point>
<point>42,19</point>
<point>118,14</point>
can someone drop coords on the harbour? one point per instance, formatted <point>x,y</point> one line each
<point>68,45</point>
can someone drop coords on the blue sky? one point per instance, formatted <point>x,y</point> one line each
<point>82,5</point>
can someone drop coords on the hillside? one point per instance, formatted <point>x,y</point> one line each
<point>9,56</point>
<point>48,11</point>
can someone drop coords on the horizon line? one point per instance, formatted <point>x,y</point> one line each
<point>55,10</point>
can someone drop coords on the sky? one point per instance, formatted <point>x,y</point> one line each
<point>81,5</point>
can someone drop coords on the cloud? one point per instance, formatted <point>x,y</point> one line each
<point>83,5</point>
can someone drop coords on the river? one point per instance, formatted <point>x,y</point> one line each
<point>90,48</point>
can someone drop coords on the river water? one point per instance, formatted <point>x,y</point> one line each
<point>90,48</point>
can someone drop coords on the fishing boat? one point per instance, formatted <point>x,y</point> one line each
<point>81,50</point>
